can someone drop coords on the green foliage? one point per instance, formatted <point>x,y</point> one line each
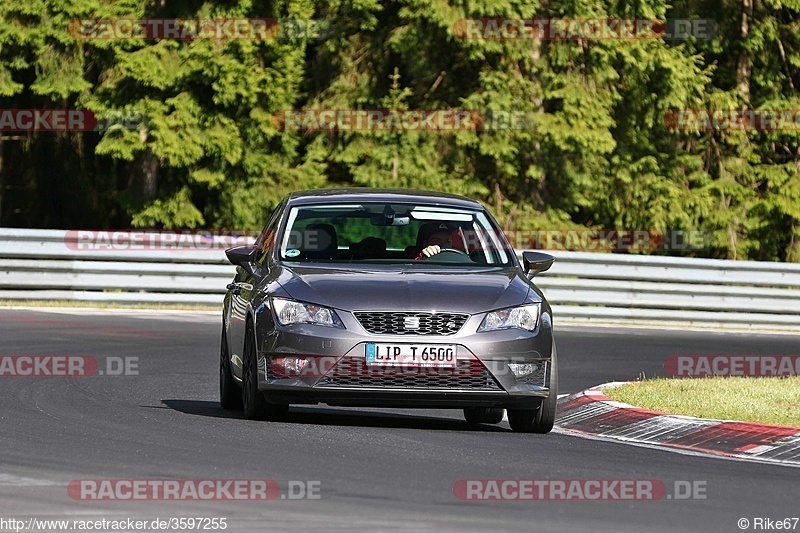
<point>205,148</point>
<point>177,210</point>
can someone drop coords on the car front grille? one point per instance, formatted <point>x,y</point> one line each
<point>354,372</point>
<point>410,323</point>
<point>540,378</point>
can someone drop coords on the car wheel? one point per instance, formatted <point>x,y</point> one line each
<point>256,406</point>
<point>230,397</point>
<point>484,415</point>
<point>540,420</point>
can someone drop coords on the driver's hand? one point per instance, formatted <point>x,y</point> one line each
<point>430,251</point>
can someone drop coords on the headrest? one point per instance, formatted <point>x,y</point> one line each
<point>369,245</point>
<point>320,238</point>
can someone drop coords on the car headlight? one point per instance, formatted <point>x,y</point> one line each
<point>523,317</point>
<point>290,312</point>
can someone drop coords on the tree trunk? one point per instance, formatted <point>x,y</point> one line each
<point>145,173</point>
<point>1,179</point>
<point>793,250</point>
<point>148,175</point>
<point>536,190</point>
<point>744,64</point>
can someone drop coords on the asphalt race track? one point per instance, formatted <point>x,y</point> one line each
<point>378,469</point>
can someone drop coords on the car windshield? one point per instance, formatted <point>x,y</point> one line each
<point>393,233</point>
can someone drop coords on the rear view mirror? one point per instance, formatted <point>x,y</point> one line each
<point>242,255</point>
<point>383,220</point>
<point>536,262</point>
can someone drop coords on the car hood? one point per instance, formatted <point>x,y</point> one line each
<point>452,290</point>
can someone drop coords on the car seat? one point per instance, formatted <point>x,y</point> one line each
<point>320,242</point>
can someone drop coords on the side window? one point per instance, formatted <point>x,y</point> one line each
<point>266,239</point>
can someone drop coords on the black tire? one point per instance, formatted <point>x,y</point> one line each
<point>256,406</point>
<point>230,396</point>
<point>484,415</point>
<point>542,419</point>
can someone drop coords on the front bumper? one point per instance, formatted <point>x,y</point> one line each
<point>336,372</point>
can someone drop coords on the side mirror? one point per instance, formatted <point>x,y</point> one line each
<point>536,262</point>
<point>242,256</point>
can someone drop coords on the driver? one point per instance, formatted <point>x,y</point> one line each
<point>434,244</point>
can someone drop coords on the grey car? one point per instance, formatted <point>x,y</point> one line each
<point>388,298</point>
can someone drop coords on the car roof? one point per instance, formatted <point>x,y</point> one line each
<point>366,194</point>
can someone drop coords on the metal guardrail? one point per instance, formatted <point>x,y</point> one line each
<point>585,287</point>
<point>709,292</point>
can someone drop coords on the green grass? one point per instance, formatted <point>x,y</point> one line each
<point>768,400</point>
<point>109,305</point>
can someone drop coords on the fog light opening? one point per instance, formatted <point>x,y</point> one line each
<point>288,367</point>
<point>521,370</point>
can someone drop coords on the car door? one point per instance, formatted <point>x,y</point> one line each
<point>244,289</point>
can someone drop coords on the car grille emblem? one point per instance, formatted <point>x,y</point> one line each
<point>411,322</point>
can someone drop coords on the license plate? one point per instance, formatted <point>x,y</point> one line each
<point>416,355</point>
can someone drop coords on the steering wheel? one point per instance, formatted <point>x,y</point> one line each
<point>450,255</point>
